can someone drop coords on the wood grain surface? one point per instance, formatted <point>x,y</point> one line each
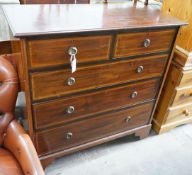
<point>130,44</point>
<point>54,52</point>
<point>54,83</point>
<point>91,129</point>
<point>179,113</point>
<point>40,19</point>
<point>181,11</point>
<point>53,113</point>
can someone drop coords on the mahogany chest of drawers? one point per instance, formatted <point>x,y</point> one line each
<point>122,55</point>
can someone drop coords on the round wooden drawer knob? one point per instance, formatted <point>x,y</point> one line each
<point>147,43</point>
<point>186,112</point>
<point>70,109</point>
<point>69,135</point>
<point>71,81</point>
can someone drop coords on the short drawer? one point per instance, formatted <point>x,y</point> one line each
<point>182,59</point>
<point>57,83</point>
<point>91,129</point>
<point>137,43</point>
<point>178,78</point>
<point>183,96</point>
<point>186,78</point>
<point>176,114</point>
<point>54,52</point>
<point>65,110</point>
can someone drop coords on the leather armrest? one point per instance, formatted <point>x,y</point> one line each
<point>20,145</point>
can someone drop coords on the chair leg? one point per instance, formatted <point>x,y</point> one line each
<point>146,2</point>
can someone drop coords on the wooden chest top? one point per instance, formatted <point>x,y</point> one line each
<point>32,20</point>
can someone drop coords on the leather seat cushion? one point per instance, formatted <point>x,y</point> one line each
<point>8,164</point>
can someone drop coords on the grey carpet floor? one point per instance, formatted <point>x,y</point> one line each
<point>166,154</point>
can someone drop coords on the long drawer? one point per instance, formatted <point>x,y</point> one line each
<point>61,82</point>
<point>54,52</point>
<point>65,110</point>
<point>136,43</point>
<point>77,133</point>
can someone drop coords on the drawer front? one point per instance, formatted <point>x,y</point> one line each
<point>54,52</point>
<point>130,44</point>
<point>182,59</point>
<point>183,96</point>
<point>179,113</point>
<point>186,79</point>
<point>91,129</point>
<point>56,83</point>
<point>58,111</point>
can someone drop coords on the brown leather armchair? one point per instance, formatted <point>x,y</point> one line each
<point>17,153</point>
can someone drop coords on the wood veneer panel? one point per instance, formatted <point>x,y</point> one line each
<point>54,52</point>
<point>130,44</point>
<point>92,129</point>
<point>65,19</point>
<point>54,83</point>
<point>54,112</point>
